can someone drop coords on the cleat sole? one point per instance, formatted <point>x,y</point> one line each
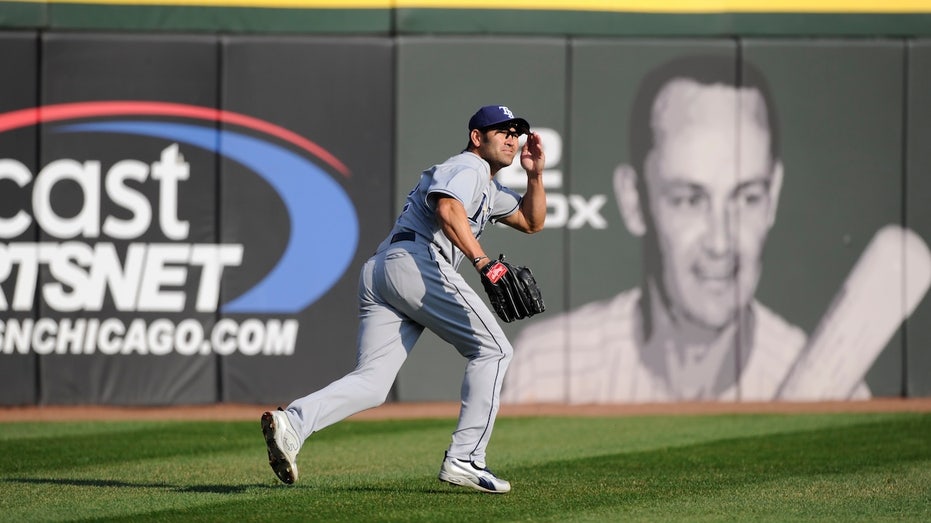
<point>276,458</point>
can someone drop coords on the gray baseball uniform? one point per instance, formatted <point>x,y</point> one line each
<point>411,283</point>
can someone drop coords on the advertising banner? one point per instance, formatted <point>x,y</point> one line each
<point>838,264</point>
<point>442,82</point>
<point>18,158</point>
<point>593,352</point>
<point>917,362</point>
<point>128,261</point>
<point>309,212</point>
<point>178,234</point>
<point>183,217</point>
<point>764,192</point>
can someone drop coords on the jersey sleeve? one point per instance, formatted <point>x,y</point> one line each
<point>506,202</point>
<point>460,183</point>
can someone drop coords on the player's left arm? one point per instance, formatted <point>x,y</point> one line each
<point>531,213</point>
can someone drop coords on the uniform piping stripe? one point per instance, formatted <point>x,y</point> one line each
<point>500,350</point>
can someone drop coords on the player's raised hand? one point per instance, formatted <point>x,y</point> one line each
<point>532,158</point>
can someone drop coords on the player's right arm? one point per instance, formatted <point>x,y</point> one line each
<point>452,219</point>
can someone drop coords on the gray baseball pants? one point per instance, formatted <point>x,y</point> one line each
<point>402,289</point>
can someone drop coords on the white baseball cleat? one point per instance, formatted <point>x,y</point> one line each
<point>472,474</point>
<point>283,444</point>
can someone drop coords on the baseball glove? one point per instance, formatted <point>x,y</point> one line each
<point>512,290</point>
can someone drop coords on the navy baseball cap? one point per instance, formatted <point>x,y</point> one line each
<point>494,115</point>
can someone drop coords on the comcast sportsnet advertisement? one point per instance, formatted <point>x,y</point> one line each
<point>130,257</point>
<point>183,217</point>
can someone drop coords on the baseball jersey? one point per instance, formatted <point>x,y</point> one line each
<point>467,178</point>
<point>592,355</point>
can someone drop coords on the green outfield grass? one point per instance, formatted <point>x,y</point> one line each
<point>816,467</point>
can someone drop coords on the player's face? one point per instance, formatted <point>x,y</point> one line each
<point>498,147</point>
<point>709,199</point>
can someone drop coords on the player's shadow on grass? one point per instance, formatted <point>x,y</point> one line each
<point>108,483</point>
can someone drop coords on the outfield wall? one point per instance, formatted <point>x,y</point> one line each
<point>183,214</point>
<point>669,18</point>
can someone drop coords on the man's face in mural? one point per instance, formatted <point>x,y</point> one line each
<point>711,189</point>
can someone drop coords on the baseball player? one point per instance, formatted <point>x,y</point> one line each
<point>412,283</point>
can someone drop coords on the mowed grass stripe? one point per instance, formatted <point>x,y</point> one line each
<point>114,443</point>
<point>837,467</point>
<point>723,477</point>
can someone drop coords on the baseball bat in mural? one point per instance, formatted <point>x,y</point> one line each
<point>885,285</point>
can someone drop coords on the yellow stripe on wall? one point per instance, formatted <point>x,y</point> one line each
<point>272,4</point>
<point>687,6</point>
<point>640,6</point>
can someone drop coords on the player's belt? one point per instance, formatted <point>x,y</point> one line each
<point>403,236</point>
